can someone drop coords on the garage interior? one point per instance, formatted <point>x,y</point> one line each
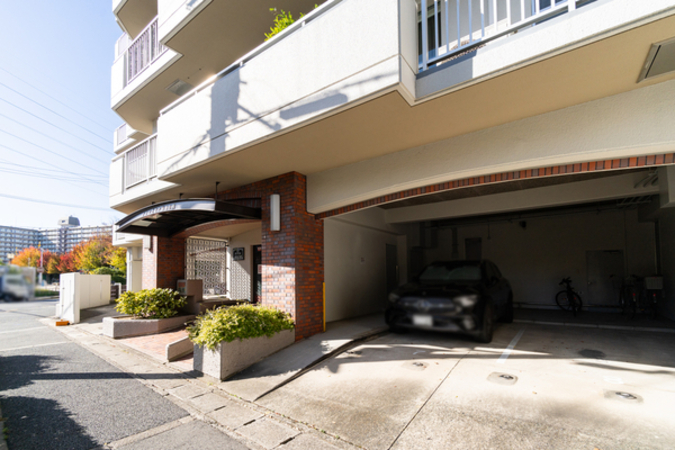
<point>594,227</point>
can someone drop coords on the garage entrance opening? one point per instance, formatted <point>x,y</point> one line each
<point>597,228</point>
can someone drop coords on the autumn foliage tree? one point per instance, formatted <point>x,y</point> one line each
<point>96,255</point>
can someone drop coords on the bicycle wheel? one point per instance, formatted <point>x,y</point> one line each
<point>577,303</point>
<point>563,301</point>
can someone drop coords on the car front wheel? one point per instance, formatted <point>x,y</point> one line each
<point>485,334</point>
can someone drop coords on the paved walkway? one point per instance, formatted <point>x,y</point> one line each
<point>219,403</point>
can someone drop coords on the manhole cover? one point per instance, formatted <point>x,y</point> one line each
<point>592,354</point>
<point>502,378</point>
<point>623,396</point>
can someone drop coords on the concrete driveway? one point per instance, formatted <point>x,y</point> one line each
<point>434,391</point>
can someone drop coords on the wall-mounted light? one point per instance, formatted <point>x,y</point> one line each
<point>275,212</point>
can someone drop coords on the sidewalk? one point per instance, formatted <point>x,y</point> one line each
<point>229,406</point>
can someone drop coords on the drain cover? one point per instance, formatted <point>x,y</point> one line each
<point>354,352</point>
<point>502,378</point>
<point>623,396</point>
<point>592,354</point>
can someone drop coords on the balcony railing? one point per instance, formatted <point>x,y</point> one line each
<point>453,27</point>
<point>143,51</point>
<point>140,163</point>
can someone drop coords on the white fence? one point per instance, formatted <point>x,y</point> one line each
<point>140,162</point>
<point>143,51</point>
<point>456,26</point>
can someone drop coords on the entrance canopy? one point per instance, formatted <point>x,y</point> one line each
<point>171,217</point>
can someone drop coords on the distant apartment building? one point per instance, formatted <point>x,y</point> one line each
<point>57,240</point>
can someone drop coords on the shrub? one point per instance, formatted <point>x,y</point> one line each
<point>45,293</point>
<point>116,275</point>
<point>151,303</point>
<point>225,324</point>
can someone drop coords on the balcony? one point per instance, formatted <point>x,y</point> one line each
<point>457,27</point>
<point>134,172</point>
<point>138,62</point>
<point>349,83</point>
<point>134,15</point>
<point>125,137</point>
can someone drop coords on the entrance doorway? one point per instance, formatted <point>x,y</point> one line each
<point>257,274</point>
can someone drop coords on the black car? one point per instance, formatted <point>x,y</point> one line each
<point>455,296</point>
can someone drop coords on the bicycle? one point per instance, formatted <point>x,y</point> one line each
<point>568,299</point>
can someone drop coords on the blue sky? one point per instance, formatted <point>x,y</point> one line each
<point>56,125</point>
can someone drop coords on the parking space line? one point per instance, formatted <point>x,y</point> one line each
<point>509,349</point>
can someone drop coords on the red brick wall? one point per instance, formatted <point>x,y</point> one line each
<point>163,262</point>
<point>293,257</point>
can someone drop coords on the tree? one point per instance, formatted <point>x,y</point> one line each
<point>97,255</point>
<point>52,265</point>
<point>66,263</point>
<point>28,257</point>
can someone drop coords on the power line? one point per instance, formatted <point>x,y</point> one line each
<point>4,161</point>
<point>55,99</point>
<point>53,112</point>
<point>30,156</point>
<point>55,126</point>
<point>50,151</point>
<point>54,139</point>
<point>16,197</point>
<point>49,177</point>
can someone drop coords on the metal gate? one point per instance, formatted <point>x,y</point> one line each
<point>207,261</point>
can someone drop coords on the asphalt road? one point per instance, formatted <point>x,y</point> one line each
<point>55,394</point>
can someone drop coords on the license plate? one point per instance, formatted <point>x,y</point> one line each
<point>422,320</point>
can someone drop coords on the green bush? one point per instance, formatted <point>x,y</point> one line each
<point>46,293</point>
<point>151,303</point>
<point>116,275</point>
<point>225,324</point>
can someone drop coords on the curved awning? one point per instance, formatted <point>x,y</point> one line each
<point>171,217</point>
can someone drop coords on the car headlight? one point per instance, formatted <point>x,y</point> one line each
<point>393,297</point>
<point>466,301</point>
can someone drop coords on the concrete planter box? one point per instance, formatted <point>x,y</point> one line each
<point>232,357</point>
<point>125,326</point>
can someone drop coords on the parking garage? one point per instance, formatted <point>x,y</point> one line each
<point>596,228</point>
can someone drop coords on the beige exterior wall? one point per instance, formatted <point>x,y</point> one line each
<point>534,259</point>
<point>635,123</point>
<point>355,263</point>
<point>299,79</point>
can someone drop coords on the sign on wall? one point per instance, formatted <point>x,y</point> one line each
<point>238,254</point>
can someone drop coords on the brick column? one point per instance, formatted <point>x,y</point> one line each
<point>163,262</point>
<point>292,258</point>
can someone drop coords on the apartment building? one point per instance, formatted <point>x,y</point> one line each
<point>373,137</point>
<point>60,240</point>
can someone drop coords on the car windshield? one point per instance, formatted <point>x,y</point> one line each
<point>450,272</point>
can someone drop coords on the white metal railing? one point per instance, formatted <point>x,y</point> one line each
<point>143,51</point>
<point>456,26</point>
<point>121,134</point>
<point>140,163</point>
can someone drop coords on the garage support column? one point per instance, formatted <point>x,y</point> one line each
<point>163,262</point>
<point>292,270</point>
<point>292,258</point>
